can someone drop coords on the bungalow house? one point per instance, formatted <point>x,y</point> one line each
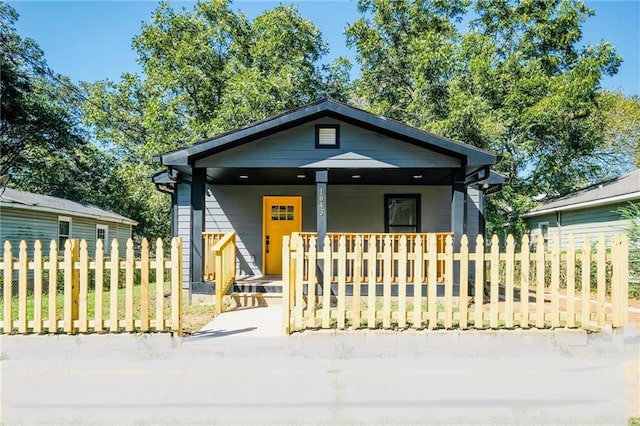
<point>30,217</point>
<point>590,211</point>
<point>324,167</point>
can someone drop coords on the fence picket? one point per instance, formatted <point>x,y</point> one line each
<point>68,316</point>
<point>128,291</point>
<point>387,266</point>
<point>464,283</point>
<point>113,287</point>
<point>176,286</point>
<point>540,252</point>
<point>287,282</point>
<point>22,287</point>
<point>8,287</point>
<point>98,323</point>
<point>159,323</point>
<point>83,326</point>
<point>311,292</point>
<point>585,317</point>
<point>555,281</point>
<point>299,273</point>
<point>571,282</point>
<point>371,282</point>
<point>448,283</point>
<point>342,277</point>
<point>509,282</point>
<point>601,279</point>
<point>53,287</point>
<point>525,259</point>
<point>417,284</point>
<point>37,287</point>
<point>326,282</point>
<point>402,282</point>
<point>357,280</point>
<point>495,278</point>
<point>432,282</point>
<point>144,285</point>
<point>478,292</point>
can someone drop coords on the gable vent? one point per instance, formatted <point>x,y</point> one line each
<point>327,136</point>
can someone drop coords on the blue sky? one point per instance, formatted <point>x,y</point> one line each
<point>91,40</point>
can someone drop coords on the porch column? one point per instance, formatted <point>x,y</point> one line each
<point>322,176</point>
<point>458,219</point>
<point>198,180</point>
<point>458,207</point>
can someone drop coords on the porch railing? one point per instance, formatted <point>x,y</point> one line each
<point>350,240</point>
<point>209,240</point>
<point>522,288</point>
<point>224,253</point>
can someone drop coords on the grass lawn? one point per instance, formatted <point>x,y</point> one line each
<point>194,316</point>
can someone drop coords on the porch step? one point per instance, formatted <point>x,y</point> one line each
<point>268,289</point>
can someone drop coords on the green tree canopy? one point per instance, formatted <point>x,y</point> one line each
<point>205,70</point>
<point>42,145</point>
<point>517,83</point>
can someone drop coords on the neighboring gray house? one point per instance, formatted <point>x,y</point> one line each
<point>324,167</point>
<point>590,211</point>
<point>31,217</point>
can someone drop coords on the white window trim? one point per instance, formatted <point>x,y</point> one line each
<point>65,219</point>
<point>105,228</point>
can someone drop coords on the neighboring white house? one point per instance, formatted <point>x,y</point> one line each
<point>30,217</point>
<point>590,211</point>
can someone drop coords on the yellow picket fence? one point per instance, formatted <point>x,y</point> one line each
<point>98,280</point>
<point>365,284</point>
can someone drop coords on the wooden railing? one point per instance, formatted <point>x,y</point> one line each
<point>522,288</point>
<point>350,239</point>
<point>76,294</point>
<point>209,240</point>
<point>225,257</point>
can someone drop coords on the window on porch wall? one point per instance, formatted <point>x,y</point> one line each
<point>402,213</point>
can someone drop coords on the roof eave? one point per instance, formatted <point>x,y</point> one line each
<point>594,203</point>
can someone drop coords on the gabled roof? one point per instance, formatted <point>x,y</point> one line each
<point>619,189</point>
<point>327,108</point>
<point>12,198</point>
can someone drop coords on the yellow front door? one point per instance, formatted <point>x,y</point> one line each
<point>281,216</point>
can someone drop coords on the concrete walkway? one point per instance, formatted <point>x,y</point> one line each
<point>239,371</point>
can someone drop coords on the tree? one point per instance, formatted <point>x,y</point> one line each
<point>205,71</point>
<point>516,83</point>
<point>620,116</point>
<point>41,144</point>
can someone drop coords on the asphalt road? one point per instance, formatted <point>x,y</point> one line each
<point>320,378</point>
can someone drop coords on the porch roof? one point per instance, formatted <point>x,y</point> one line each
<point>470,156</point>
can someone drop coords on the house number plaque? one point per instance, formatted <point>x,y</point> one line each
<point>321,202</point>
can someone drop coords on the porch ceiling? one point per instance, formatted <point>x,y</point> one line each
<point>297,176</point>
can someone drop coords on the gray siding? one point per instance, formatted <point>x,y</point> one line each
<point>359,148</point>
<point>31,225</point>
<point>184,228</point>
<point>589,222</point>
<point>350,208</point>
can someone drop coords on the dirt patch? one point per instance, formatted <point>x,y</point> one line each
<point>196,316</point>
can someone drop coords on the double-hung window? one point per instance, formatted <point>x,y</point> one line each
<point>64,230</point>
